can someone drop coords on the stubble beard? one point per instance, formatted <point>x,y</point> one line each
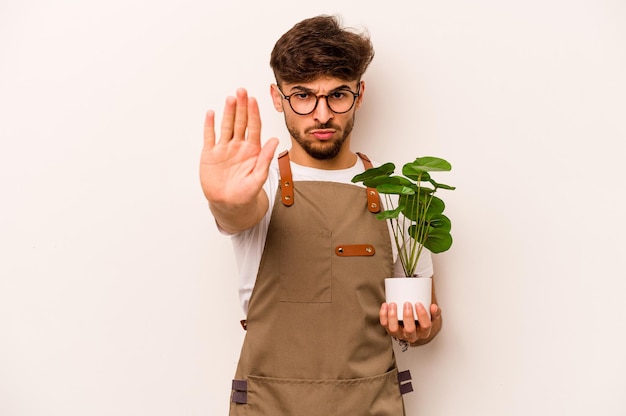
<point>319,150</point>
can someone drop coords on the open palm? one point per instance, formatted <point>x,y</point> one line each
<point>233,169</point>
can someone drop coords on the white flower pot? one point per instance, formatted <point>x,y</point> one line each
<point>409,289</point>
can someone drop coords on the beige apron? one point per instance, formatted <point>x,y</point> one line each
<point>314,345</point>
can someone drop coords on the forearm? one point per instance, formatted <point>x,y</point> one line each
<point>236,218</point>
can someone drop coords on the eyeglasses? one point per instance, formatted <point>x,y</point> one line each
<point>339,101</point>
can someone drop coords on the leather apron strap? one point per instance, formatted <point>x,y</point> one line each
<point>373,199</point>
<point>286,182</point>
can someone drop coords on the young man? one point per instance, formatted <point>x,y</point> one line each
<point>312,255</point>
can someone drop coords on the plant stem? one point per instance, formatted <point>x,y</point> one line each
<point>398,234</point>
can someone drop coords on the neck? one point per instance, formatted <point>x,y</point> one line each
<point>344,159</point>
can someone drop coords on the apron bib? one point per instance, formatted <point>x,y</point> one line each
<point>314,345</point>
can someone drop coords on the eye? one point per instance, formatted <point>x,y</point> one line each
<point>302,96</point>
<point>339,95</point>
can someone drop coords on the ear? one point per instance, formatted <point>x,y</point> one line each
<point>277,98</point>
<point>359,100</point>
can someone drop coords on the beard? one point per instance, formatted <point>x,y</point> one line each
<point>322,150</point>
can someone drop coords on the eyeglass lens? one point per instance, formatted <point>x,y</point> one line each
<point>340,101</point>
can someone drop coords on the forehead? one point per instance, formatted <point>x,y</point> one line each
<point>321,85</point>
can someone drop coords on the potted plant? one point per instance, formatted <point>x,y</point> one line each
<point>416,217</point>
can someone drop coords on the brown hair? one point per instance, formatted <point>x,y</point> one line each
<point>318,47</point>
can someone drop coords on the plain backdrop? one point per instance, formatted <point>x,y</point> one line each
<point>119,297</point>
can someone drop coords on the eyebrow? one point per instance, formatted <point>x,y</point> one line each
<point>300,88</point>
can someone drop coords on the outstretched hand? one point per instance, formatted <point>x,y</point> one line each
<point>233,169</point>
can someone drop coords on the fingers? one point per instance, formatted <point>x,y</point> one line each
<point>408,330</point>
<point>424,320</point>
<point>409,320</point>
<point>388,316</point>
<point>241,115</point>
<point>383,315</point>
<point>209,130</point>
<point>393,326</point>
<point>228,120</point>
<point>254,121</point>
<point>235,117</point>
<point>435,312</point>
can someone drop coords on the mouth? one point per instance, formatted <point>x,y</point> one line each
<point>322,134</point>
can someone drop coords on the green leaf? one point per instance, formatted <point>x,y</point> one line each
<point>441,185</point>
<point>376,180</point>
<point>430,164</point>
<point>384,180</point>
<point>425,190</point>
<point>389,214</point>
<point>382,170</point>
<point>413,204</point>
<point>436,206</point>
<point>438,241</point>
<point>396,189</point>
<point>440,222</point>
<point>417,175</point>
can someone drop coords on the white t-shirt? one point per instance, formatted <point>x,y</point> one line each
<point>248,245</point>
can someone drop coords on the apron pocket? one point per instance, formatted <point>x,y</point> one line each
<point>306,277</point>
<point>375,396</point>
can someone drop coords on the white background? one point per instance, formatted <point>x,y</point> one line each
<point>118,295</point>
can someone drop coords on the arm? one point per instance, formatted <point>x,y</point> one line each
<point>233,170</point>
<point>424,333</point>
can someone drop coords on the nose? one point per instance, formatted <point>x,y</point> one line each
<point>322,112</point>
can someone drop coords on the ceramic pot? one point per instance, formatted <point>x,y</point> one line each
<point>409,289</point>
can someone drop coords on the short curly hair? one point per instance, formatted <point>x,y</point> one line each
<point>319,47</point>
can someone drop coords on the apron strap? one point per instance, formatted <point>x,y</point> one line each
<point>286,182</point>
<point>373,199</point>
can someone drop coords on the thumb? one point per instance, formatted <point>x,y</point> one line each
<point>435,311</point>
<point>266,155</point>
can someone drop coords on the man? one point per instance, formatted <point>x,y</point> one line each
<point>318,338</point>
